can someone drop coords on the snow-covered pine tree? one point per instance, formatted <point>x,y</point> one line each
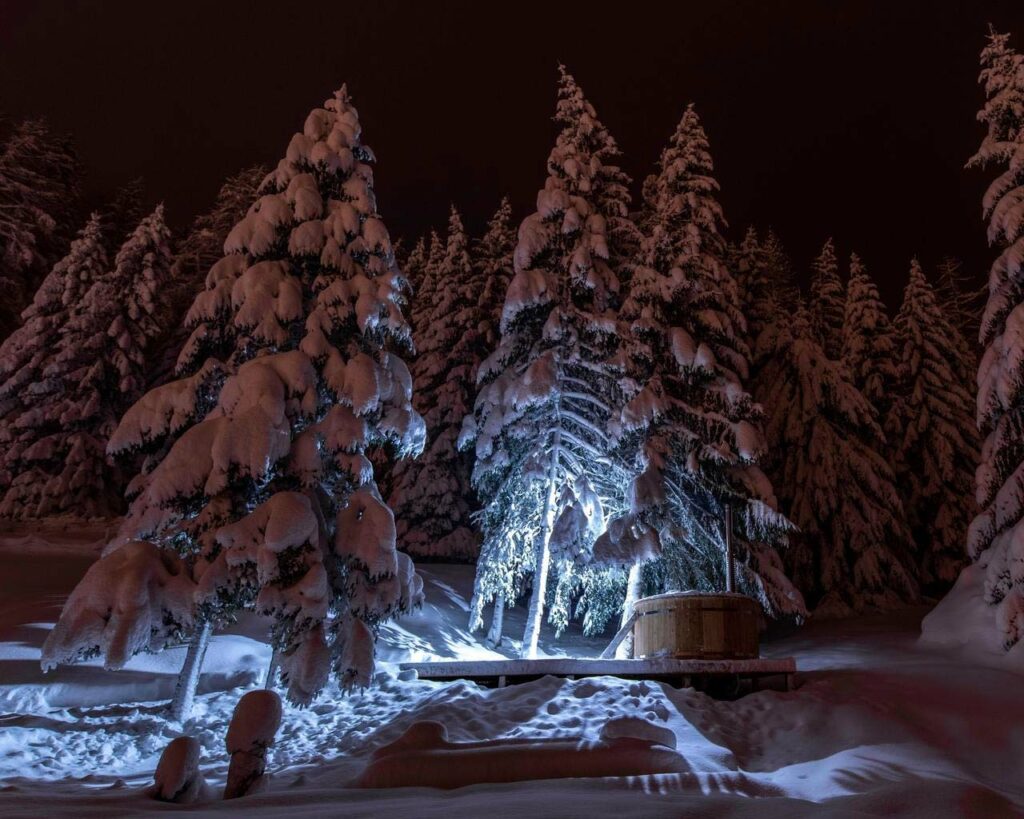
<point>259,472</point>
<point>433,498</point>
<point>492,258</point>
<point>758,284</point>
<point>869,345</point>
<point>121,215</point>
<point>97,368</point>
<point>995,537</point>
<point>204,243</point>
<point>415,264</point>
<point>29,389</point>
<point>39,173</point>
<point>937,450</point>
<point>853,550</point>
<point>827,302</point>
<point>194,256</point>
<point>540,425</point>
<point>699,432</point>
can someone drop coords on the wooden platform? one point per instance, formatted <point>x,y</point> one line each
<point>726,678</point>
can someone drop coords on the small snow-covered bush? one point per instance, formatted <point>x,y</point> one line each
<point>138,597</point>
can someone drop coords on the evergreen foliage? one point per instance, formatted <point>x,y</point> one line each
<point>995,539</point>
<point>869,349</point>
<point>938,447</point>
<point>548,392</point>
<point>853,549</point>
<point>827,302</point>
<point>700,432</point>
<point>258,471</point>
<point>39,187</point>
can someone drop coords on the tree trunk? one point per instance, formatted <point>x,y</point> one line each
<point>497,622</point>
<point>542,563</point>
<point>625,649</point>
<point>188,678</point>
<point>271,677</point>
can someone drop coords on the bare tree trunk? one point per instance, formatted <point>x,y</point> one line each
<point>542,563</point>
<point>497,622</point>
<point>625,649</point>
<point>188,678</point>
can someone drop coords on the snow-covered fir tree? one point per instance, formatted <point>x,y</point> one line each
<point>869,344</point>
<point>937,447</point>
<point>97,367</point>
<point>995,538</point>
<point>29,388</point>
<point>259,473</point>
<point>827,302</point>
<point>194,255</point>
<point>547,394</point>
<point>492,258</point>
<point>39,180</point>
<point>747,263</point>
<point>853,550</point>
<point>203,245</point>
<point>699,431</point>
<point>433,498</point>
<point>120,216</point>
<point>414,265</point>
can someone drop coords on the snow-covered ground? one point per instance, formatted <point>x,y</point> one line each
<point>879,726</point>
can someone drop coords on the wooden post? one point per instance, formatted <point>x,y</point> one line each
<point>730,571</point>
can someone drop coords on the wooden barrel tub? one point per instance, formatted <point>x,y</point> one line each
<point>696,626</point>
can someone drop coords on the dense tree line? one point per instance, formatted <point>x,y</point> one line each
<point>589,396</point>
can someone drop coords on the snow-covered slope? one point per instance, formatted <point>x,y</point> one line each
<point>878,727</point>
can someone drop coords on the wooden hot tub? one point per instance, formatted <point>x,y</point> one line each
<point>691,625</point>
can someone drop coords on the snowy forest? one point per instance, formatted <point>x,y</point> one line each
<point>286,415</point>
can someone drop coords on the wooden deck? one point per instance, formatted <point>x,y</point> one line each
<point>725,678</point>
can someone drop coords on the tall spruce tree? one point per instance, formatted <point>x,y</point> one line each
<point>31,380</point>
<point>259,475</point>
<point>700,432</point>
<point>492,258</point>
<point>39,186</point>
<point>194,256</point>
<point>995,535</point>
<point>414,266</point>
<point>827,302</point>
<point>869,349</point>
<point>749,265</point>
<point>97,369</point>
<point>853,549</point>
<point>433,499</point>
<point>121,215</point>
<point>540,424</point>
<point>938,445</point>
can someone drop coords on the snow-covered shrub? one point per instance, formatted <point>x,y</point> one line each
<point>137,597</point>
<point>178,778</point>
<point>252,730</point>
<point>259,469</point>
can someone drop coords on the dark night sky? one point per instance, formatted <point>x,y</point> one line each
<point>851,119</point>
